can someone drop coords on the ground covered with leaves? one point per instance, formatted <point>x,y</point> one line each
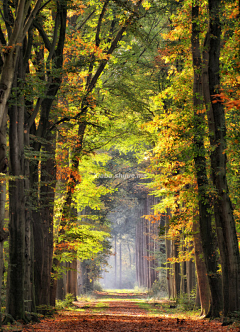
<point>123,312</point>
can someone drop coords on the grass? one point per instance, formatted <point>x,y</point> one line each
<point>134,291</point>
<point>102,304</point>
<point>164,309</point>
<point>87,298</point>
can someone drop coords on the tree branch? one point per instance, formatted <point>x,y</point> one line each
<point>111,49</point>
<point>55,35</point>
<point>34,113</point>
<point>28,48</point>
<point>66,118</point>
<point>81,25</point>
<point>97,39</point>
<point>43,35</point>
<point>31,17</point>
<point>44,5</point>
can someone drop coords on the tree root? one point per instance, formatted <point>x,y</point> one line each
<point>8,319</point>
<point>33,317</point>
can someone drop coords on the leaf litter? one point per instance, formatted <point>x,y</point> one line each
<point>112,315</point>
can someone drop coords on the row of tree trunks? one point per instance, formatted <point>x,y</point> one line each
<point>146,244</point>
<point>21,277</point>
<point>68,284</point>
<point>75,278</point>
<point>181,277</point>
<point>85,283</point>
<point>141,250</point>
<point>168,255</point>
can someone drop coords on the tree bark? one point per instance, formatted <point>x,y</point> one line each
<point>20,209</point>
<point>120,264</point>
<point>208,242</point>
<point>18,251</point>
<point>3,170</point>
<point>202,278</point>
<point>223,211</point>
<point>86,283</point>
<point>115,260</point>
<point>176,270</point>
<point>43,215</point>
<point>168,255</point>
<point>71,284</point>
<point>43,225</point>
<point>191,280</point>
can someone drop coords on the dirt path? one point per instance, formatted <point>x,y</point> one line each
<point>120,315</point>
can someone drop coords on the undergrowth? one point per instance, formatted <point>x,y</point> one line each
<point>66,303</point>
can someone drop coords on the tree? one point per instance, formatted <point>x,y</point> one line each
<point>223,211</point>
<point>3,171</point>
<point>16,29</point>
<point>44,143</point>
<point>21,295</point>
<point>205,215</point>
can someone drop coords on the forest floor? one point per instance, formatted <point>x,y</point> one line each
<point>125,312</point>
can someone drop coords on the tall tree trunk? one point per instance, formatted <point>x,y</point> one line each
<point>120,264</point>
<point>183,285</point>
<point>176,270</point>
<point>137,253</point>
<point>71,283</point>
<point>191,280</point>
<point>86,282</point>
<point>208,241</point>
<point>29,232</point>
<point>183,269</point>
<point>18,248</point>
<point>61,285</point>
<point>115,260</point>
<point>197,299</point>
<point>43,224</point>
<point>168,255</point>
<point>130,256</point>
<point>3,170</point>
<point>43,221</point>
<point>141,253</point>
<point>20,208</point>
<point>223,212</point>
<point>202,277</point>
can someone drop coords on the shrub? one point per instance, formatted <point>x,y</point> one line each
<point>66,303</point>
<point>187,301</point>
<point>97,286</point>
<point>159,288</point>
